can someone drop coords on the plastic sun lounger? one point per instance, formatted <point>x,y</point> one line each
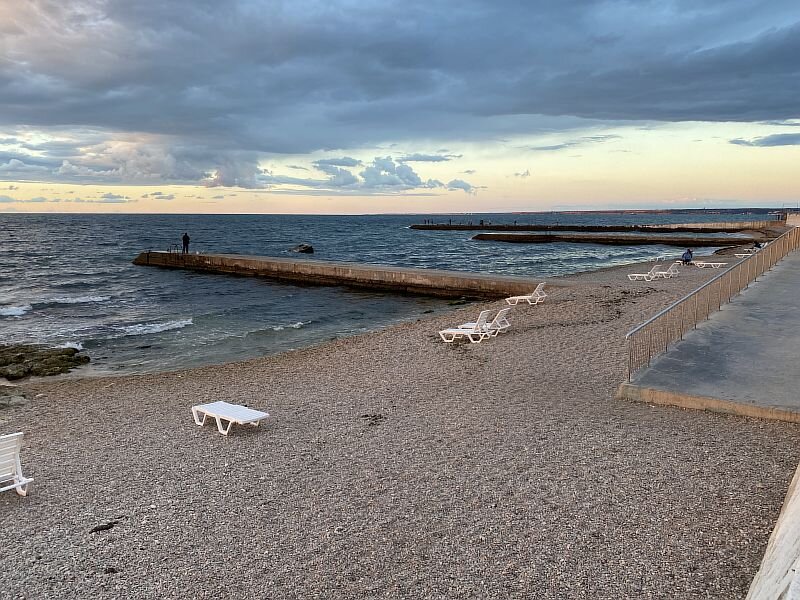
<point>476,333</point>
<point>671,272</point>
<point>534,297</point>
<point>499,323</point>
<point>11,477</point>
<point>649,276</point>
<point>223,411</point>
<point>702,264</point>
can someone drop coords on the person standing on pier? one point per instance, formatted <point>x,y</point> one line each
<point>185,240</point>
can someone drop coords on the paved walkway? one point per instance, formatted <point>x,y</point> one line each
<point>747,354</point>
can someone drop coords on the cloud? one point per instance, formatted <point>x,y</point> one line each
<point>344,161</point>
<point>134,92</point>
<point>383,175</point>
<point>581,141</point>
<point>460,184</point>
<point>777,139</point>
<point>17,167</point>
<point>159,196</point>
<point>416,157</point>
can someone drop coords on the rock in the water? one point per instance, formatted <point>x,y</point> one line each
<point>304,249</point>
<point>24,360</point>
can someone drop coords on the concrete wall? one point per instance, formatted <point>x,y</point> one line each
<point>448,284</point>
<point>779,575</point>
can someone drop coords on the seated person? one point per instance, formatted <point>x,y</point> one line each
<point>686,257</point>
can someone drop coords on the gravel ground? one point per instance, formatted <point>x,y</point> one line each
<point>397,466</point>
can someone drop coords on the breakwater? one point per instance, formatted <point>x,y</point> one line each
<point>718,227</point>
<point>431,282</point>
<point>684,241</point>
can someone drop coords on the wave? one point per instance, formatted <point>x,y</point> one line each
<point>148,328</point>
<point>76,300</point>
<point>14,311</point>
<point>76,345</point>
<point>297,325</point>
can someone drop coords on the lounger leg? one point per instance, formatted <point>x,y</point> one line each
<point>197,418</point>
<point>23,490</point>
<point>223,430</point>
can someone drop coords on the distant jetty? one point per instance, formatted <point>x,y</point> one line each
<point>684,241</point>
<point>429,282</point>
<point>718,227</point>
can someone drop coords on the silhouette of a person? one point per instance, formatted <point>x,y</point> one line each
<point>185,240</point>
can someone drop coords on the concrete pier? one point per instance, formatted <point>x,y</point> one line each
<point>718,227</point>
<point>429,282</point>
<point>683,241</point>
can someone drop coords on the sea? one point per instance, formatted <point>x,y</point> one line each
<point>68,280</point>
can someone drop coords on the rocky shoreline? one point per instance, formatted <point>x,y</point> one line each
<point>18,361</point>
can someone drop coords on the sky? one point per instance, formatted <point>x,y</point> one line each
<point>336,107</point>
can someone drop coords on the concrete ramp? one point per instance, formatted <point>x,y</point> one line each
<point>743,360</point>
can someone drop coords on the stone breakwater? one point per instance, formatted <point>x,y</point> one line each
<point>683,241</point>
<point>432,282</point>
<point>22,360</point>
<point>720,227</point>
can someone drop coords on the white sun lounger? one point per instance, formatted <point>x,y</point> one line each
<point>671,272</point>
<point>649,276</point>
<point>11,477</point>
<point>476,333</point>
<point>499,323</point>
<point>223,411</point>
<point>702,264</point>
<point>534,297</point>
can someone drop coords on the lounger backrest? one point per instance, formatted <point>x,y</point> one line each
<point>539,289</point>
<point>480,324</point>
<point>500,318</point>
<point>655,269</point>
<point>10,446</point>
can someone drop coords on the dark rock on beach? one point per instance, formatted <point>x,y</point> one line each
<point>304,249</point>
<point>23,360</point>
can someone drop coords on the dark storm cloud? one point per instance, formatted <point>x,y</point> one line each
<point>204,89</point>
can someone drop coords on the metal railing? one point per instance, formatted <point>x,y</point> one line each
<point>655,335</point>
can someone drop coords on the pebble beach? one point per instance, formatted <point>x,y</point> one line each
<point>394,465</point>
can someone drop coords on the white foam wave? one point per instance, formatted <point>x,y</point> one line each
<point>76,345</point>
<point>14,311</point>
<point>77,300</point>
<point>297,325</point>
<point>148,328</point>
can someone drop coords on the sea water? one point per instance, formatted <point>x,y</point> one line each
<point>68,280</point>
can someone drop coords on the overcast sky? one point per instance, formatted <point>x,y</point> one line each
<point>421,106</point>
